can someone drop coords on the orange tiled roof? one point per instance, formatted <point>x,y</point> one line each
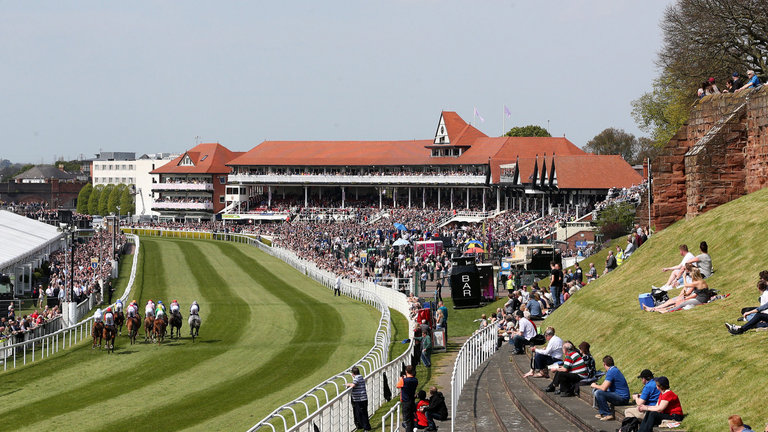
<point>207,158</point>
<point>460,133</point>
<point>590,171</point>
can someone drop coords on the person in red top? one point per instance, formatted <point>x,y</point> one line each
<point>421,416</point>
<point>668,407</point>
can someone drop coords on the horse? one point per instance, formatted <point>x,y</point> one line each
<point>176,322</point>
<point>97,332</point>
<point>149,325</point>
<point>133,324</point>
<point>194,326</point>
<point>119,321</point>
<point>110,333</point>
<point>159,330</point>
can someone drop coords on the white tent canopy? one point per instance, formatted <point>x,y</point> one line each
<point>22,238</point>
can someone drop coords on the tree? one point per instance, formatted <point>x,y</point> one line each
<point>616,220</point>
<point>114,199</point>
<point>614,141</point>
<point>646,149</point>
<point>127,204</point>
<point>82,198</point>
<point>104,199</point>
<point>528,131</point>
<point>94,199</point>
<point>702,39</point>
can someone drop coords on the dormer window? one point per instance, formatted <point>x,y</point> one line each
<point>186,161</point>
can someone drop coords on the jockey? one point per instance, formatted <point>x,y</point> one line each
<point>97,316</point>
<point>194,309</point>
<point>149,310</point>
<point>109,318</point>
<point>160,310</point>
<point>131,310</point>
<point>118,306</point>
<point>175,306</point>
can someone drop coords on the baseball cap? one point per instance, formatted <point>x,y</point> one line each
<point>711,80</point>
<point>647,374</point>
<point>735,74</point>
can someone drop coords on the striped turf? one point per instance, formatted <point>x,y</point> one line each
<point>268,334</point>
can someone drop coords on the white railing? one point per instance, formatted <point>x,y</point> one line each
<point>358,179</point>
<point>391,418</point>
<point>182,205</point>
<point>327,404</point>
<point>44,346</point>
<point>182,187</point>
<point>477,349</point>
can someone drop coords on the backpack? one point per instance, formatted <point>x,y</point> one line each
<point>659,296</point>
<point>630,424</point>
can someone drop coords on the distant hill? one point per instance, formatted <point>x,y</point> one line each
<point>715,374</point>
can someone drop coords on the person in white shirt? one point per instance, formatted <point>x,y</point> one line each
<point>542,358</point>
<point>525,332</point>
<point>677,271</point>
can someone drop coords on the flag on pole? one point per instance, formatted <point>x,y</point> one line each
<point>477,114</point>
<point>507,112</point>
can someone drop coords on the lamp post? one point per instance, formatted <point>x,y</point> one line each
<point>68,309</point>
<point>115,229</point>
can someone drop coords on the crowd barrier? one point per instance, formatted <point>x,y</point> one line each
<point>327,406</point>
<point>477,349</point>
<point>40,347</point>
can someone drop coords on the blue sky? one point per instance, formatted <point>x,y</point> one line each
<point>151,76</point>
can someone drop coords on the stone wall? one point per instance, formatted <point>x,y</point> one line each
<point>720,154</point>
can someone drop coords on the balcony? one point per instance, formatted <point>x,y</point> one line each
<point>395,180</point>
<point>182,187</point>
<point>205,206</point>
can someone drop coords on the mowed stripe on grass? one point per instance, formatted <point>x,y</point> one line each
<point>244,342</point>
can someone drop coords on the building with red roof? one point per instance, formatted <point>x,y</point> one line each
<point>459,166</point>
<point>192,186</point>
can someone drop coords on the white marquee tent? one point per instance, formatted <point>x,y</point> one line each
<point>24,241</point>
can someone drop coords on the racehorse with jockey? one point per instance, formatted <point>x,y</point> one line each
<point>109,329</point>
<point>132,310</point>
<point>175,306</point>
<point>160,311</point>
<point>149,309</point>
<point>194,320</point>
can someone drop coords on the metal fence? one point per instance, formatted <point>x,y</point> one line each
<point>39,347</point>
<point>327,406</point>
<point>477,349</point>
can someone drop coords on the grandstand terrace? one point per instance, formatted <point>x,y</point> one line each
<point>459,168</point>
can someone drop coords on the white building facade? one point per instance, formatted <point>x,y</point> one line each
<point>124,168</point>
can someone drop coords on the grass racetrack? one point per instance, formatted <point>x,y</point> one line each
<point>268,334</point>
<point>714,374</point>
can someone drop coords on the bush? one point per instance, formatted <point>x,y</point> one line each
<point>616,220</point>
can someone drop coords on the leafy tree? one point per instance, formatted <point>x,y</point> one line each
<point>616,220</point>
<point>614,141</point>
<point>702,39</point>
<point>94,199</point>
<point>127,203</point>
<point>528,131</point>
<point>104,199</point>
<point>82,198</point>
<point>114,199</point>
<point>646,149</point>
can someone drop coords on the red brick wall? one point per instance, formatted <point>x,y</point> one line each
<point>730,158</point>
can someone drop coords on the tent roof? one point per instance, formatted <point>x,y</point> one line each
<point>22,236</point>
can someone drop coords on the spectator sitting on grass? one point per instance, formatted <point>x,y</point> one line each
<point>763,299</point>
<point>736,424</point>
<point>614,390</point>
<point>534,307</point>
<point>694,293</point>
<point>668,407</point>
<point>703,261</point>
<point>547,356</point>
<point>758,314</point>
<point>648,396</point>
<point>678,270</point>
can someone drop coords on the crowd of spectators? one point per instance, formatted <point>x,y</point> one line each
<point>633,194</point>
<point>735,83</point>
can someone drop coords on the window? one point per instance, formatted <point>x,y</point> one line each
<point>186,161</point>
<point>221,199</point>
<point>222,180</point>
<point>122,180</point>
<point>203,158</point>
<point>110,167</point>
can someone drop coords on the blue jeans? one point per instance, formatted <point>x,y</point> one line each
<point>555,293</point>
<point>604,397</point>
<point>426,358</point>
<point>519,343</point>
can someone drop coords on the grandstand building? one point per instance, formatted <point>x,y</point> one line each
<point>459,168</point>
<point>192,186</point>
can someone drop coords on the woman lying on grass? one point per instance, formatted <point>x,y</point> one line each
<point>694,293</point>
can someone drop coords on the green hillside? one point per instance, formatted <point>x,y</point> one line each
<point>715,374</point>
